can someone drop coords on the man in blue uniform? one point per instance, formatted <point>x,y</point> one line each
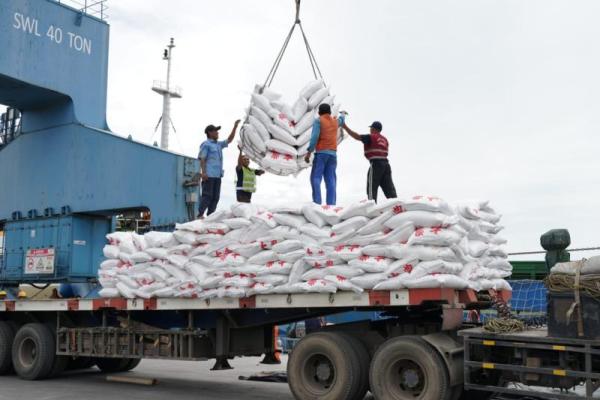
<point>211,167</point>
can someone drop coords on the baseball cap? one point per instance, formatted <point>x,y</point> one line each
<point>211,128</point>
<point>324,108</point>
<point>377,125</point>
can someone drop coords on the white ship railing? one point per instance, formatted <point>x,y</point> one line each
<point>95,8</point>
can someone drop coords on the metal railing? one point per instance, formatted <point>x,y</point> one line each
<point>161,87</point>
<point>10,126</point>
<point>95,8</point>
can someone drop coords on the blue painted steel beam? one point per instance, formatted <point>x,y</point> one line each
<point>91,171</point>
<point>53,49</point>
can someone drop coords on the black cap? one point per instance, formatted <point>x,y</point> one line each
<point>324,109</point>
<point>376,125</point>
<point>211,128</point>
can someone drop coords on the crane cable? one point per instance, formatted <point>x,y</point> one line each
<point>311,57</point>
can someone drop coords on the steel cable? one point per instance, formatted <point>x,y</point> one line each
<point>311,57</point>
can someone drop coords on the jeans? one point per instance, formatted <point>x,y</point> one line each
<point>324,166</point>
<point>211,191</point>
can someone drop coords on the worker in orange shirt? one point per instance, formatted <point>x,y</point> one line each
<point>324,142</point>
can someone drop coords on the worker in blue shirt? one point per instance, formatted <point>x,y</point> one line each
<point>324,141</point>
<point>211,167</point>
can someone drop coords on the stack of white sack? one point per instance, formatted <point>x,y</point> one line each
<point>247,250</point>
<point>585,266</point>
<point>483,249</point>
<point>276,135</point>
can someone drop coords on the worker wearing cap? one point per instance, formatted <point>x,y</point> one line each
<point>376,151</point>
<point>211,167</point>
<point>246,178</point>
<point>324,141</point>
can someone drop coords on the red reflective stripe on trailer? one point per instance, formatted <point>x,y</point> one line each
<point>73,304</point>
<point>379,298</point>
<point>418,296</point>
<point>467,296</point>
<point>248,302</point>
<point>150,304</point>
<point>10,305</point>
<point>119,304</point>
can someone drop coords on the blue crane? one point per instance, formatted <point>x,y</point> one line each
<point>64,175</point>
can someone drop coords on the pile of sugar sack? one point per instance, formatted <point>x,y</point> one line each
<point>248,250</point>
<point>276,135</point>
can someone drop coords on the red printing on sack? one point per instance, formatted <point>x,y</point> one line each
<point>436,229</point>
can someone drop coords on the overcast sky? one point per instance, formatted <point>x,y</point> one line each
<point>479,99</point>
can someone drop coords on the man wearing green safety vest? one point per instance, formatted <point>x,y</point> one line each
<point>246,178</point>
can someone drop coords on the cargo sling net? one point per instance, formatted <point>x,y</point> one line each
<point>276,135</point>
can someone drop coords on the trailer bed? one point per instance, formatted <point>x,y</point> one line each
<point>367,299</point>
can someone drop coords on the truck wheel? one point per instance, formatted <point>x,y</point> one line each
<point>408,368</point>
<point>7,336</point>
<point>111,365</point>
<point>59,366</point>
<point>364,360</point>
<point>133,362</point>
<point>34,352</point>
<point>80,363</point>
<point>324,366</point>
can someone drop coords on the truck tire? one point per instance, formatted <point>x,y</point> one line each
<point>7,336</point>
<point>76,363</point>
<point>132,364</point>
<point>408,368</point>
<point>364,361</point>
<point>59,366</point>
<point>111,365</point>
<point>324,366</point>
<point>34,352</point>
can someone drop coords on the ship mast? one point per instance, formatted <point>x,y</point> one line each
<point>167,91</point>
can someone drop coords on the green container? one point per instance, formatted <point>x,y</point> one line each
<point>529,270</point>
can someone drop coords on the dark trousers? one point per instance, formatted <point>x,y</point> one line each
<point>211,191</point>
<point>243,196</point>
<point>324,166</point>
<point>380,175</point>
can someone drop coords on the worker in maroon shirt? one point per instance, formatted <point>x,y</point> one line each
<point>376,151</point>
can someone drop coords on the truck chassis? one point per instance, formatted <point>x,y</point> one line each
<point>532,359</point>
<point>413,352</point>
